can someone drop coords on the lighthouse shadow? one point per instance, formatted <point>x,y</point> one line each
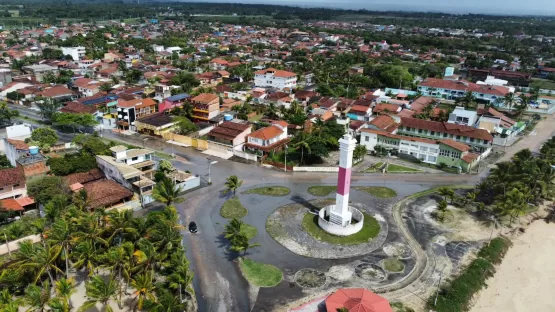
<point>302,201</point>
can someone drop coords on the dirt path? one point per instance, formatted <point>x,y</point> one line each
<point>526,278</point>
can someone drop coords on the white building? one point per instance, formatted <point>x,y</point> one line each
<point>274,78</point>
<point>462,116</point>
<point>77,53</point>
<point>424,149</point>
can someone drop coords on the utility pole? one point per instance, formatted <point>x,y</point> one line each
<point>7,244</point>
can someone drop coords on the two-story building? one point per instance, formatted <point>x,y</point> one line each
<point>230,133</point>
<point>479,139</point>
<point>206,106</point>
<point>268,139</point>
<point>173,102</point>
<point>87,87</point>
<point>131,110</point>
<point>12,183</point>
<point>452,90</point>
<point>76,53</point>
<point>275,78</point>
<point>446,151</point>
<point>359,112</point>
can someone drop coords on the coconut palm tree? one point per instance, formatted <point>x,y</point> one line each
<point>181,276</point>
<point>85,256</point>
<point>65,287</point>
<point>242,243</point>
<point>303,143</point>
<point>81,199</point>
<point>166,302</point>
<point>58,305</point>
<point>119,262</point>
<point>467,99</point>
<point>233,229</point>
<point>90,230</point>
<point>166,235</point>
<point>167,192</point>
<point>37,259</point>
<point>446,192</point>
<point>120,224</point>
<point>99,290</point>
<point>493,222</point>
<point>60,234</point>
<point>147,256</point>
<point>442,208</point>
<point>37,297</point>
<point>144,288</point>
<point>510,100</point>
<point>232,184</point>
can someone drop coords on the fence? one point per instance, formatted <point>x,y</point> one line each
<point>245,155</point>
<point>316,169</point>
<point>185,140</point>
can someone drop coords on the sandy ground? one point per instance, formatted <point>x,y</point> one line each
<point>526,278</point>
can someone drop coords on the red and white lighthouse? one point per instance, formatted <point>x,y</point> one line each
<point>340,213</point>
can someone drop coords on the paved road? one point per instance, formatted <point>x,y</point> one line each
<point>219,285</point>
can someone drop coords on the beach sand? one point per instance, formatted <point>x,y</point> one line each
<point>525,280</point>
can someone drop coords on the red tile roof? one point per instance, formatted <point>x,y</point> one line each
<point>18,144</point>
<point>78,108</point>
<point>384,122</point>
<point>277,73</point>
<point>266,133</point>
<point>456,145</point>
<point>228,130</point>
<point>84,177</point>
<point>204,98</point>
<point>11,204</point>
<point>506,121</point>
<point>105,193</point>
<point>382,107</point>
<point>470,157</point>
<point>444,127</point>
<point>56,91</point>
<point>12,176</point>
<point>464,86</point>
<point>357,300</point>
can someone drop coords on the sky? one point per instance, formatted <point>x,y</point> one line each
<point>500,7</point>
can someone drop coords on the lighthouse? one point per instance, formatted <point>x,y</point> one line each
<point>340,213</point>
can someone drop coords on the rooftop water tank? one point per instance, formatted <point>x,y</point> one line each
<point>34,150</point>
<point>228,117</point>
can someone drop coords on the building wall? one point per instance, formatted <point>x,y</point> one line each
<point>11,152</point>
<point>422,133</point>
<point>268,80</point>
<point>450,160</point>
<point>13,191</point>
<point>36,168</point>
<point>112,173</point>
<point>138,159</point>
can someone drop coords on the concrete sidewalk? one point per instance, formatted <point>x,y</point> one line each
<point>14,246</point>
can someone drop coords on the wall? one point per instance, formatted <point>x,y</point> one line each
<point>316,169</point>
<point>13,192</point>
<point>190,183</point>
<point>36,168</point>
<point>11,152</point>
<point>370,140</point>
<point>181,139</point>
<point>245,155</point>
<point>337,229</point>
<point>112,173</point>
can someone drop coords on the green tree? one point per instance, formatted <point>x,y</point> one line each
<point>184,125</point>
<point>45,136</point>
<point>442,209</point>
<point>232,184</point>
<point>167,192</point>
<point>302,142</point>
<point>510,99</point>
<point>85,256</point>
<point>99,290</point>
<point>446,192</point>
<point>38,297</point>
<point>37,259</point>
<point>43,189</point>
<point>48,107</point>
<point>119,262</point>
<point>166,302</point>
<point>60,234</point>
<point>6,114</point>
<point>144,288</point>
<point>359,152</point>
<point>65,288</point>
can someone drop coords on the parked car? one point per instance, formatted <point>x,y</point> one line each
<point>193,227</point>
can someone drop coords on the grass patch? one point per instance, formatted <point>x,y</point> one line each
<point>393,265</point>
<point>233,208</point>
<point>249,230</point>
<point>457,295</point>
<point>260,274</point>
<point>398,168</point>
<point>369,230</point>
<point>269,191</point>
<point>542,84</point>
<point>377,191</point>
<point>163,155</point>
<point>322,190</point>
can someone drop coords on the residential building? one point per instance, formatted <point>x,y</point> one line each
<point>173,102</point>
<point>87,87</point>
<point>21,155</point>
<point>78,108</point>
<point>274,78</point>
<point>452,90</point>
<point>359,112</point>
<point>39,70</point>
<point>58,92</point>
<point>479,139</point>
<point>514,78</point>
<point>131,110</point>
<point>502,127</point>
<point>383,123</point>
<point>155,124</point>
<point>446,151</point>
<point>12,183</point>
<point>462,116</point>
<point>230,133</point>
<point>206,106</point>
<point>268,139</point>
<point>77,53</point>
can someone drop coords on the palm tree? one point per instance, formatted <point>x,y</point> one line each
<point>85,255</point>
<point>120,223</point>
<point>242,243</point>
<point>37,259</point>
<point>271,111</point>
<point>167,192</point>
<point>101,291</point>
<point>119,261</point>
<point>81,199</point>
<point>467,99</point>
<point>147,256</point>
<point>144,288</point>
<point>65,288</point>
<point>303,142</point>
<point>233,229</point>
<point>59,305</point>
<point>167,302</point>
<point>493,222</point>
<point>232,184</point>
<point>91,231</point>
<point>446,192</point>
<point>181,275</point>
<point>60,234</point>
<point>442,208</point>
<point>37,297</point>
<point>510,100</point>
<point>166,235</point>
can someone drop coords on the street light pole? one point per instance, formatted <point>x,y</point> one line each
<point>285,165</point>
<point>210,165</point>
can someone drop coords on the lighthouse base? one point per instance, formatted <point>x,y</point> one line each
<point>326,221</point>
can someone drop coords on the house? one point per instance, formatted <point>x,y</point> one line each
<point>76,53</point>
<point>268,139</point>
<point>385,108</point>
<point>39,70</point>
<point>86,86</point>
<point>383,123</point>
<point>130,110</point>
<point>21,155</point>
<point>359,112</point>
<point>218,64</point>
<point>274,78</point>
<point>502,127</point>
<point>105,193</point>
<point>230,133</point>
<point>432,151</point>
<point>452,90</point>
<point>78,108</point>
<point>462,116</point>
<point>59,92</point>
<point>479,139</point>
<point>155,124</point>
<point>173,101</point>
<point>133,168</point>
<point>206,106</point>
<point>12,183</point>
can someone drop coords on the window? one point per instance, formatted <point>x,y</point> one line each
<point>367,138</point>
<point>433,150</point>
<point>419,130</point>
<point>445,135</point>
<point>147,156</point>
<point>458,137</point>
<point>433,133</point>
<point>485,141</point>
<point>432,158</point>
<point>404,143</point>
<point>414,145</point>
<point>423,148</point>
<point>16,185</point>
<point>471,140</point>
<point>134,158</point>
<point>422,157</point>
<point>443,152</point>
